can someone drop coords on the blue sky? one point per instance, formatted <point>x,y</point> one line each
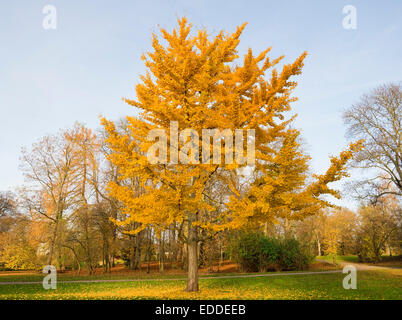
<point>51,78</point>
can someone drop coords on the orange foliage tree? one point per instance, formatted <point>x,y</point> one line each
<point>194,81</point>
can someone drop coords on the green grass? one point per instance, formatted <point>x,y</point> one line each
<point>329,258</point>
<point>32,277</point>
<point>378,284</point>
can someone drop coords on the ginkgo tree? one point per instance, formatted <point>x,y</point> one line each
<point>195,81</point>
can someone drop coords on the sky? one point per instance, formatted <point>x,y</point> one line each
<point>51,78</point>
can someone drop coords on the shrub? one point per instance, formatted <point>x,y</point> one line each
<point>246,250</point>
<point>19,256</point>
<point>270,253</point>
<point>254,252</point>
<point>293,256</point>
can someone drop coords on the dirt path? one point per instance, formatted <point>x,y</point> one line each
<point>360,266</point>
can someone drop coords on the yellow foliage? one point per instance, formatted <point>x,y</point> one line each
<point>197,81</point>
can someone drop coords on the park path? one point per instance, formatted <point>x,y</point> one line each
<point>359,265</point>
<point>280,274</point>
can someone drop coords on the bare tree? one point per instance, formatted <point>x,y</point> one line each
<point>377,118</point>
<point>7,204</point>
<point>50,168</point>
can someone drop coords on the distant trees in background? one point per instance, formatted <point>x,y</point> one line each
<point>18,248</point>
<point>379,230</point>
<point>377,118</point>
<point>7,204</point>
<point>374,230</point>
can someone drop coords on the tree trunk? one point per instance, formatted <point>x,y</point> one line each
<point>138,256</point>
<point>318,246</point>
<point>78,267</point>
<point>287,229</point>
<point>192,255</point>
<point>106,255</point>
<point>149,250</point>
<point>220,256</point>
<point>53,242</point>
<point>134,261</point>
<point>149,262</point>
<point>192,274</point>
<point>162,253</point>
<point>75,259</point>
<point>183,256</point>
<point>132,258</point>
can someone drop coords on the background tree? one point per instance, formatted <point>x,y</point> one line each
<point>339,233</point>
<point>86,149</point>
<point>18,246</point>
<point>333,231</point>
<point>67,176</point>
<point>377,226</point>
<point>311,230</point>
<point>377,118</point>
<point>7,204</point>
<point>50,167</point>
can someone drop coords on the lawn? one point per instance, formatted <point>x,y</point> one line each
<point>378,284</point>
<point>329,258</point>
